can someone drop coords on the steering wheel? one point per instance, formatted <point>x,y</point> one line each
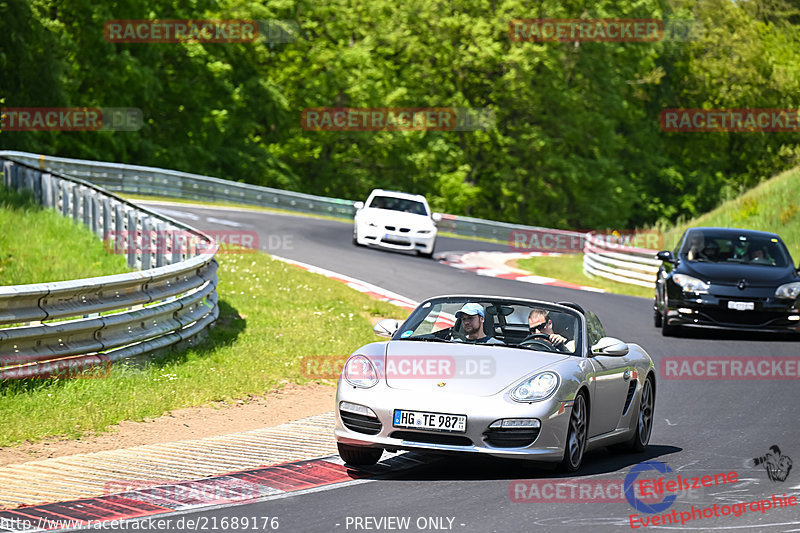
<point>449,334</point>
<point>541,339</point>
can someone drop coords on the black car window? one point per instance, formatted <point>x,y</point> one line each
<point>398,204</point>
<point>736,248</point>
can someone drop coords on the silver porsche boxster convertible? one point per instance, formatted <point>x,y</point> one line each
<point>508,377</point>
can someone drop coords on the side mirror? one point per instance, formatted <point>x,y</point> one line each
<point>610,346</point>
<point>359,205</point>
<point>386,327</point>
<point>666,256</point>
<point>437,217</point>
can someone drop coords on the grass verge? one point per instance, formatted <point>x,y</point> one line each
<point>272,316</point>
<point>39,245</point>
<point>773,205</point>
<point>569,267</point>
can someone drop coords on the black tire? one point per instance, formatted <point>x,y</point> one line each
<point>657,320</point>
<point>355,238</point>
<point>577,435</point>
<point>666,329</point>
<point>359,455</point>
<point>644,420</point>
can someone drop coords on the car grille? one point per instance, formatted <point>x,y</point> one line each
<point>395,228</point>
<point>361,423</point>
<point>390,228</point>
<point>631,390</point>
<point>748,318</point>
<point>511,437</point>
<point>432,438</point>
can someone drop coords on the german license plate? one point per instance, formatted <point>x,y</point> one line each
<point>398,238</point>
<point>430,421</point>
<point>742,306</point>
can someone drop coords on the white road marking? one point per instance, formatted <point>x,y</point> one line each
<point>224,222</point>
<point>178,214</point>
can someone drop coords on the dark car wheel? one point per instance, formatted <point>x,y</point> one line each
<point>644,421</point>
<point>666,329</point>
<point>355,238</point>
<point>359,455</point>
<point>656,318</point>
<point>576,436</point>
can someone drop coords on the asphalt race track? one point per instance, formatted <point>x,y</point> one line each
<point>702,427</point>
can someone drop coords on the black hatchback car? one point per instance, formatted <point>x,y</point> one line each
<point>727,278</point>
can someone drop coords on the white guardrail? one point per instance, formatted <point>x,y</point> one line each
<point>64,328</point>
<point>625,264</point>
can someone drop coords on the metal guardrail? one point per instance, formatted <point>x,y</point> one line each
<point>625,264</point>
<point>66,327</point>
<point>133,179</point>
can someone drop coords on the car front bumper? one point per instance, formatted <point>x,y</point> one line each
<point>712,311</point>
<point>546,446</point>
<point>396,240</point>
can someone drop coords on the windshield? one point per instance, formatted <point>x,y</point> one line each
<point>398,204</point>
<point>713,247</point>
<point>505,322</point>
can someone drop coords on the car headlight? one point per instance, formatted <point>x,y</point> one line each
<point>359,372</point>
<point>537,388</point>
<point>690,284</point>
<point>789,290</point>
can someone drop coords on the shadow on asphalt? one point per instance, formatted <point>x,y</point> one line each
<point>472,467</point>
<point>734,335</point>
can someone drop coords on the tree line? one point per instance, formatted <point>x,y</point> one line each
<point>574,141</point>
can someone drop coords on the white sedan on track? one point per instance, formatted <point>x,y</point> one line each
<point>396,220</point>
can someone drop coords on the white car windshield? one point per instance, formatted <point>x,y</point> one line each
<point>392,203</point>
<point>506,320</point>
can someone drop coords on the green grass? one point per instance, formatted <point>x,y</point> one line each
<point>773,205</point>
<point>39,245</point>
<point>569,267</point>
<point>272,317</point>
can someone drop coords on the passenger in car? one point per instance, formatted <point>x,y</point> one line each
<point>472,317</point>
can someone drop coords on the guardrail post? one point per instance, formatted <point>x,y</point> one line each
<point>66,196</point>
<point>7,166</point>
<point>37,186</point>
<point>96,216</point>
<point>47,190</point>
<point>177,245</point>
<point>106,218</point>
<point>132,238</point>
<point>75,204</point>
<point>87,208</point>
<point>161,244</point>
<point>147,242</point>
<point>119,228</point>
